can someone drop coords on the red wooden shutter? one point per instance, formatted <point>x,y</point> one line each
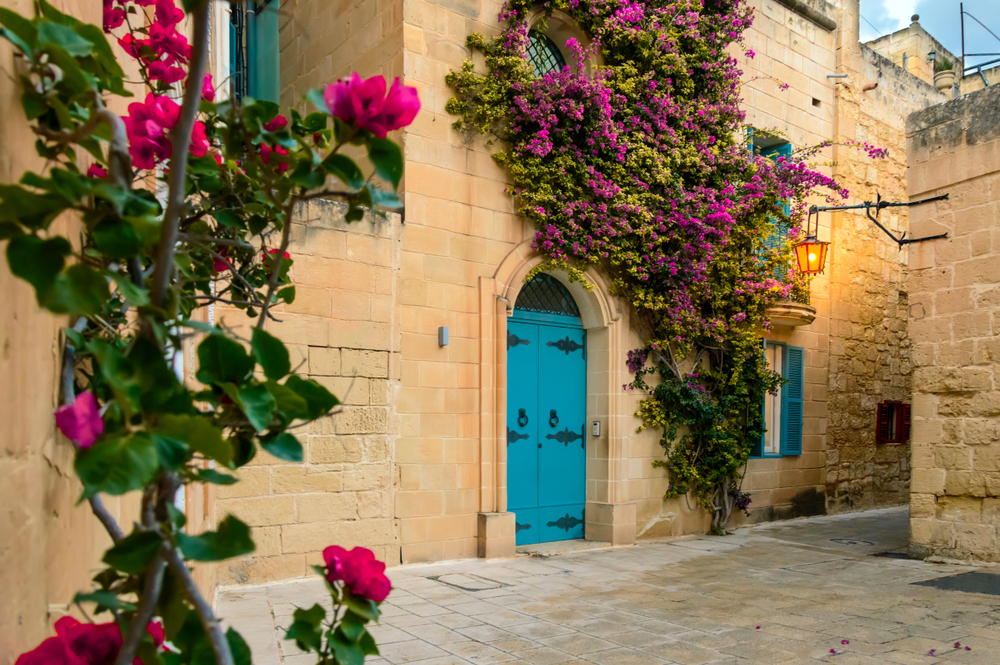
<point>904,425</point>
<point>882,423</point>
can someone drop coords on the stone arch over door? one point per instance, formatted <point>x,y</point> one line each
<point>609,516</point>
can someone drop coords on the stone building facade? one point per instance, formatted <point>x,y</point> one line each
<point>415,466</point>
<point>954,309</point>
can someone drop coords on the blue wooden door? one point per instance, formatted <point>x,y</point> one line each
<point>546,414</point>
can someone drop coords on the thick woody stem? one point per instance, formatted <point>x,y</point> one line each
<point>147,607</point>
<point>220,646</point>
<point>180,139</point>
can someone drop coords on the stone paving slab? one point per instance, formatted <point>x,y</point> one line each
<point>778,593</point>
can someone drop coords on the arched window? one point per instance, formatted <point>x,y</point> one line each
<point>545,294</point>
<point>543,54</point>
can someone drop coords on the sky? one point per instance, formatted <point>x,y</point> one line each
<point>938,17</point>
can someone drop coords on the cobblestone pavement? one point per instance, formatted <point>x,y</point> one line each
<point>778,593</point>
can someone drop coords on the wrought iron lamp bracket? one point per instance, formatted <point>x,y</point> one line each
<point>879,204</point>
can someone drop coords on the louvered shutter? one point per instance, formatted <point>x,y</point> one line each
<point>263,57</point>
<point>757,450</point>
<point>791,401</point>
<point>904,425</point>
<point>780,231</point>
<point>882,423</point>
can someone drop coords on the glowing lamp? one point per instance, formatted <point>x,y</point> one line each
<point>811,255</point>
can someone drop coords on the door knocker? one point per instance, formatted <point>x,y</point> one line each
<point>553,418</point>
<point>522,418</point>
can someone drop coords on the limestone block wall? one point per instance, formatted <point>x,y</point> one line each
<point>954,149</point>
<point>343,331</point>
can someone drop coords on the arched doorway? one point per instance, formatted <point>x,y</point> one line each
<point>546,413</point>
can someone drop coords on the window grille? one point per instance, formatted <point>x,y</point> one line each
<point>543,54</point>
<point>546,294</point>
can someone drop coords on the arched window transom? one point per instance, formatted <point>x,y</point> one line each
<point>546,295</point>
<point>543,54</point>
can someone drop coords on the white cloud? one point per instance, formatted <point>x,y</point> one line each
<point>899,12</point>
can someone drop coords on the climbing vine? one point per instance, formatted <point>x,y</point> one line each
<point>635,159</point>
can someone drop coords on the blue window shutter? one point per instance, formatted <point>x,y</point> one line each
<point>757,450</point>
<point>791,401</point>
<point>777,236</point>
<point>263,59</point>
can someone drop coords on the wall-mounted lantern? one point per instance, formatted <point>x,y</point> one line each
<point>811,252</point>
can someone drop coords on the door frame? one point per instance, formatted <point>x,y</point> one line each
<point>609,515</point>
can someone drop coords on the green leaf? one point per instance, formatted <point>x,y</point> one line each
<point>363,607</point>
<point>290,403</point>
<point>53,33</point>
<point>118,465</point>
<point>232,539</point>
<point>223,360</point>
<point>271,354</point>
<point>305,628</point>
<point>381,197</point>
<point>316,97</point>
<point>214,477</point>
<point>117,238</point>
<point>387,158</point>
<point>172,453</point>
<point>344,169</point>
<point>38,261</point>
<point>133,553</point>
<point>78,290</point>
<point>229,218</point>
<point>313,616</point>
<point>318,399</point>
<point>287,294</point>
<point>10,230</point>
<point>315,122</point>
<point>284,446</point>
<point>105,600</point>
<point>198,433</point>
<point>19,30</point>
<point>346,652</point>
<point>304,176</point>
<point>368,645</point>
<point>177,517</point>
<point>238,647</point>
<point>352,630</point>
<point>258,404</point>
<point>134,295</point>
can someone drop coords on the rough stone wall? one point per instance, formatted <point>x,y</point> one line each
<point>794,50</point>
<point>954,149</point>
<point>869,346</point>
<point>342,330</point>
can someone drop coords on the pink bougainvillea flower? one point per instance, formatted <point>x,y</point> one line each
<point>279,122</point>
<point>113,16</point>
<point>219,263</point>
<point>148,126</point>
<point>265,155</point>
<point>96,171</point>
<point>845,641</point>
<point>199,141</point>
<point>354,100</point>
<point>264,256</point>
<point>167,14</point>
<point>207,89</point>
<point>359,570</point>
<point>958,644</point>
<point>165,40</point>
<point>400,107</point>
<point>131,45</point>
<point>757,628</point>
<point>159,70</point>
<point>968,648</point>
<point>81,421</point>
<point>78,643</point>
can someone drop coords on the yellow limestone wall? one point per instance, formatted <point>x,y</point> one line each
<point>954,149</point>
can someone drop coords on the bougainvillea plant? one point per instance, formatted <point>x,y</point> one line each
<point>185,202</point>
<point>635,159</point>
